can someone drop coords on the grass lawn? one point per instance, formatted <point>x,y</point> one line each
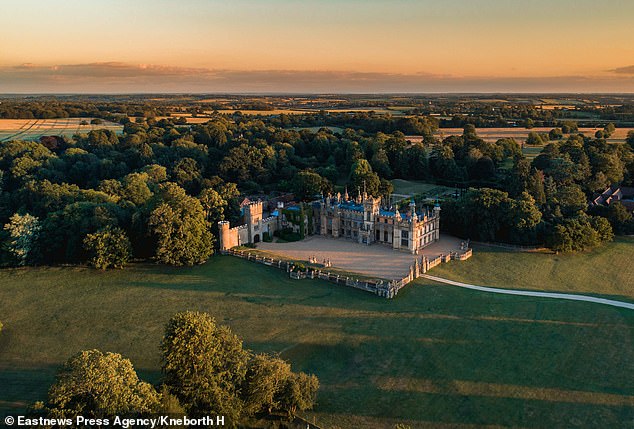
<point>607,270</point>
<point>412,187</point>
<point>531,152</point>
<point>436,356</point>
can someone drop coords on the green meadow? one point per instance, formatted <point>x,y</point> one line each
<point>606,270</point>
<point>436,356</point>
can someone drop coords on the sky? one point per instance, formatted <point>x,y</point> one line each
<point>327,46</point>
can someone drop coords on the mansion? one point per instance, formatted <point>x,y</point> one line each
<point>361,219</point>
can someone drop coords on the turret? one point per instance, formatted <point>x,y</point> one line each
<point>437,221</point>
<point>412,210</point>
<point>223,230</point>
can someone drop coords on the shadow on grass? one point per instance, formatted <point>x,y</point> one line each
<point>358,379</point>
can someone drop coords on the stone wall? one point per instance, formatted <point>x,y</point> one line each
<point>383,288</point>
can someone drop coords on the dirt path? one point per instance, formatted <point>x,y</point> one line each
<point>567,296</point>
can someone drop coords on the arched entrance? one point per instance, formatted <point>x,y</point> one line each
<point>256,238</point>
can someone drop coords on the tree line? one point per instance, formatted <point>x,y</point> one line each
<point>158,190</point>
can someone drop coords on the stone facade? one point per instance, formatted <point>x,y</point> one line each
<point>253,229</point>
<point>362,220</point>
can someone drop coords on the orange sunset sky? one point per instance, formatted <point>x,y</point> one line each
<point>317,46</point>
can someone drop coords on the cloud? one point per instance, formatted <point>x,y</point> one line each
<point>624,70</point>
<point>117,77</point>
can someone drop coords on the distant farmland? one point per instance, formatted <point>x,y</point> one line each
<point>521,134</point>
<point>33,129</point>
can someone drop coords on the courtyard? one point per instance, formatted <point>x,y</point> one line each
<point>374,261</point>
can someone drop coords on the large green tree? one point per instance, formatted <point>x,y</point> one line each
<point>96,384</point>
<point>180,228</point>
<point>22,235</point>
<point>307,184</point>
<point>265,379</point>
<point>299,393</point>
<point>108,247</point>
<point>204,365</point>
<point>362,177</point>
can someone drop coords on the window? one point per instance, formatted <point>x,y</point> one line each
<point>385,236</point>
<point>404,238</point>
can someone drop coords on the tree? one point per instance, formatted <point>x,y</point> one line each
<point>418,164</point>
<point>524,212</point>
<point>307,184</point>
<point>299,393</point>
<point>555,134</point>
<point>204,365</point>
<point>213,205</point>
<point>265,378</point>
<point>180,229</point>
<point>135,188</point>
<point>362,177</point>
<point>381,164</point>
<point>630,138</point>
<point>96,384</point>
<point>603,228</point>
<point>571,199</point>
<point>529,123</point>
<point>620,218</point>
<point>579,233</point>
<point>535,139</point>
<point>63,231</point>
<point>535,187</point>
<point>188,175</point>
<point>108,247</point>
<point>484,168</point>
<point>23,233</point>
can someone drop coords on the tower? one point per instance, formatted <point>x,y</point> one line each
<point>227,239</point>
<point>252,218</point>
<point>437,221</point>
<point>370,212</point>
<point>412,210</point>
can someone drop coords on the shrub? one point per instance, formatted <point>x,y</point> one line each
<point>287,234</point>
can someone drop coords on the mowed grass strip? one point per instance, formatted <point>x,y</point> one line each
<point>606,270</point>
<point>493,360</point>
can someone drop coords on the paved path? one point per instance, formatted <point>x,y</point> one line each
<point>568,296</point>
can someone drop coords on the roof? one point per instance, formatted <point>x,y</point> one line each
<point>351,205</point>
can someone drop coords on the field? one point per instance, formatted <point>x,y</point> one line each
<point>436,356</point>
<point>33,129</point>
<point>412,187</point>
<point>607,270</point>
<point>521,134</point>
<point>395,110</point>
<point>316,129</point>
